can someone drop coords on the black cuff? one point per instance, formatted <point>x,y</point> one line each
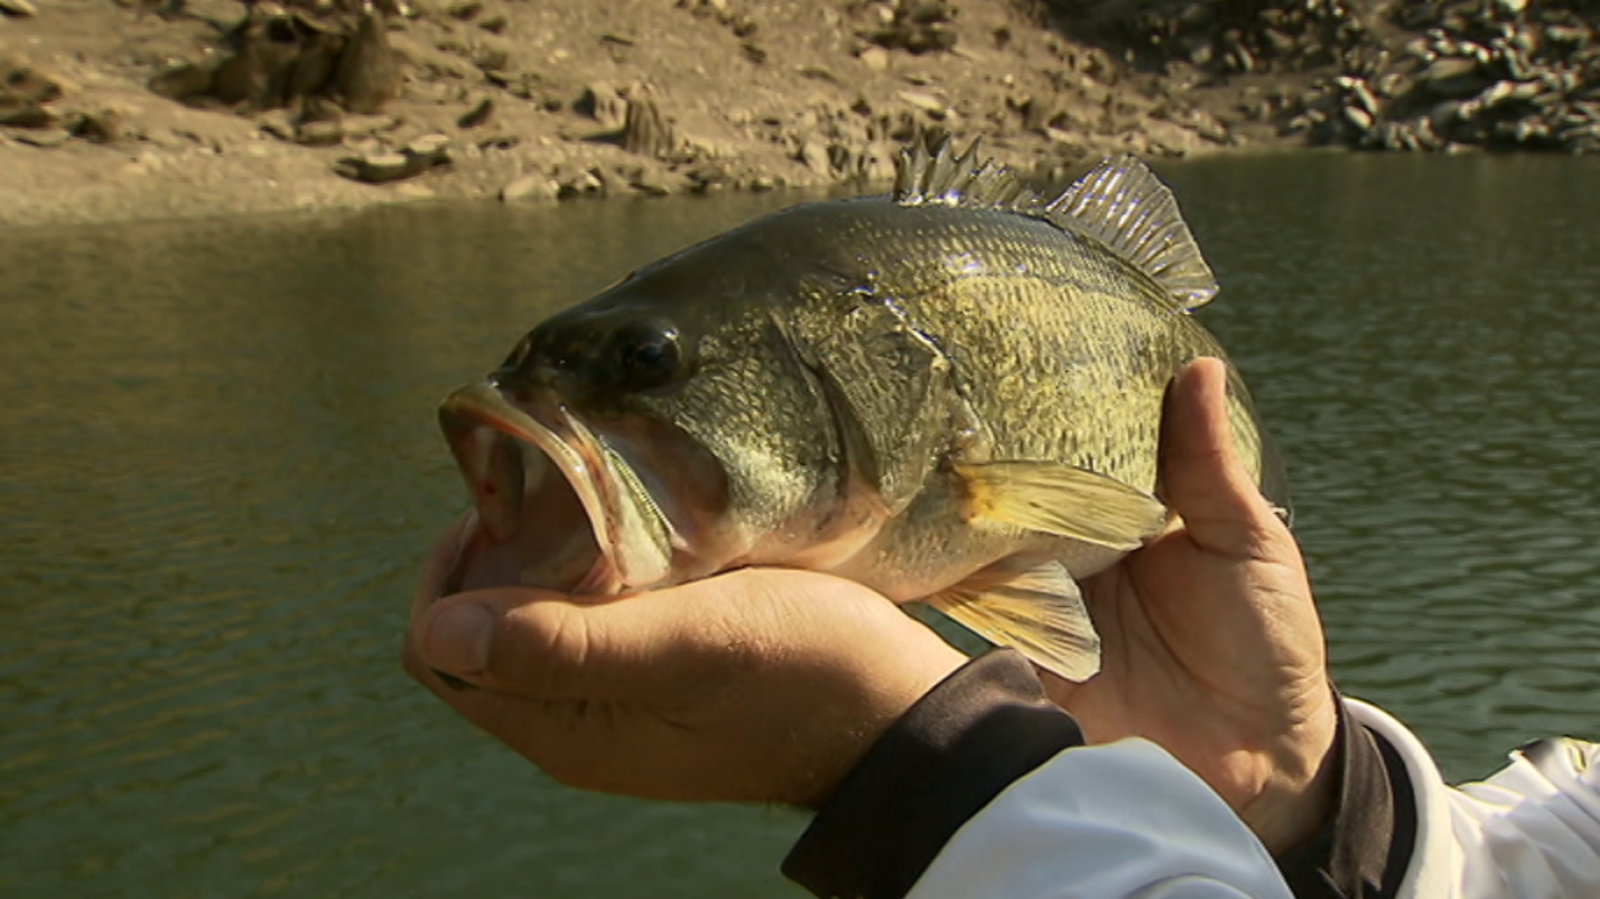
<point>1364,849</point>
<point>969,738</point>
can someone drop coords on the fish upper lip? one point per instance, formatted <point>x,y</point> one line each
<point>575,452</point>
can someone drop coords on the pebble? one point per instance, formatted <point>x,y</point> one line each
<point>876,59</point>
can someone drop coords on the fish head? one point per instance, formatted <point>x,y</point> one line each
<point>654,434</point>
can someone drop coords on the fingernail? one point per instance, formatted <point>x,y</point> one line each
<point>451,681</point>
<point>458,640</point>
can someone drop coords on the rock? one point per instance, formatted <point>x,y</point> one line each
<point>494,24</point>
<point>28,115</point>
<point>313,69</point>
<point>1444,114</point>
<point>1360,92</point>
<point>20,84</point>
<point>925,101</point>
<point>839,156</point>
<point>536,186</point>
<point>429,150</point>
<point>603,104</point>
<point>43,137</point>
<point>1358,117</point>
<point>183,81</point>
<point>876,163</point>
<point>277,123</point>
<point>1393,84</point>
<point>415,158</point>
<point>706,176</point>
<point>762,182</point>
<point>105,126</point>
<point>376,168</point>
<point>647,132</point>
<point>932,38</point>
<point>814,156</point>
<point>1454,76</point>
<point>18,8</point>
<point>465,10</point>
<point>583,184</point>
<point>650,185</point>
<point>1281,45</point>
<point>319,134</point>
<point>477,114</point>
<point>1569,35</point>
<point>358,126</point>
<point>876,59</point>
<point>369,70</point>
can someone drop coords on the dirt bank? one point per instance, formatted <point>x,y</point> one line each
<point>185,107</point>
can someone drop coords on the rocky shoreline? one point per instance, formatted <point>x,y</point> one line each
<point>190,107</point>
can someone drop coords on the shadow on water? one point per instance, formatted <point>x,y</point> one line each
<point>220,469</point>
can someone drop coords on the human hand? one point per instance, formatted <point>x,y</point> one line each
<point>1212,646</point>
<point>758,685</point>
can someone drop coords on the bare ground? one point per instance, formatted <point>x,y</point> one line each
<point>753,95</point>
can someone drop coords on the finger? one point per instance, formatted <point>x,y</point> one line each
<point>576,742</point>
<point>1202,477</point>
<point>636,648</point>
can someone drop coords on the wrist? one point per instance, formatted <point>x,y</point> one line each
<point>1300,795</point>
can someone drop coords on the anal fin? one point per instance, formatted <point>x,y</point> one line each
<point>1038,611</point>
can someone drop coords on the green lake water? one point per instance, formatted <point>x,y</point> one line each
<point>219,469</point>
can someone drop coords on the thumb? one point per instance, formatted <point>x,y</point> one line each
<point>542,644</point>
<point>1202,476</point>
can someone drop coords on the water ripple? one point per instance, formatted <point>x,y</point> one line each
<point>220,468</point>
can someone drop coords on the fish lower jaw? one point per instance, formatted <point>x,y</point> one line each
<point>468,558</point>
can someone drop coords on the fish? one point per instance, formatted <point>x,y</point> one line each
<point>951,394</point>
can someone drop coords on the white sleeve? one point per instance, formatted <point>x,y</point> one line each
<point>1119,821</point>
<point>1531,831</point>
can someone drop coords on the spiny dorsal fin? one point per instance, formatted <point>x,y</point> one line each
<point>925,177</point>
<point>1124,205</point>
<point>1121,204</point>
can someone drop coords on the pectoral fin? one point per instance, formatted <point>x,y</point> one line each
<point>1062,500</point>
<point>1037,611</point>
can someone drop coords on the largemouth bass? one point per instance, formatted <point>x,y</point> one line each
<point>950,394</point>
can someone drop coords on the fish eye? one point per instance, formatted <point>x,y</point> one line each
<point>647,355</point>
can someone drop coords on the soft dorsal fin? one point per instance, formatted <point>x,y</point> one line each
<point>1121,204</point>
<point>1124,205</point>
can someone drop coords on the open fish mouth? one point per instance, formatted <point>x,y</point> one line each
<point>555,506</point>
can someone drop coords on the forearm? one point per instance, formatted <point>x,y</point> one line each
<point>975,793</point>
<point>976,782</point>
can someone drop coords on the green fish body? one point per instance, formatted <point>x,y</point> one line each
<point>950,394</point>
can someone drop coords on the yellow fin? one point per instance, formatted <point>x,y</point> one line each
<point>1062,500</point>
<point>1037,611</point>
